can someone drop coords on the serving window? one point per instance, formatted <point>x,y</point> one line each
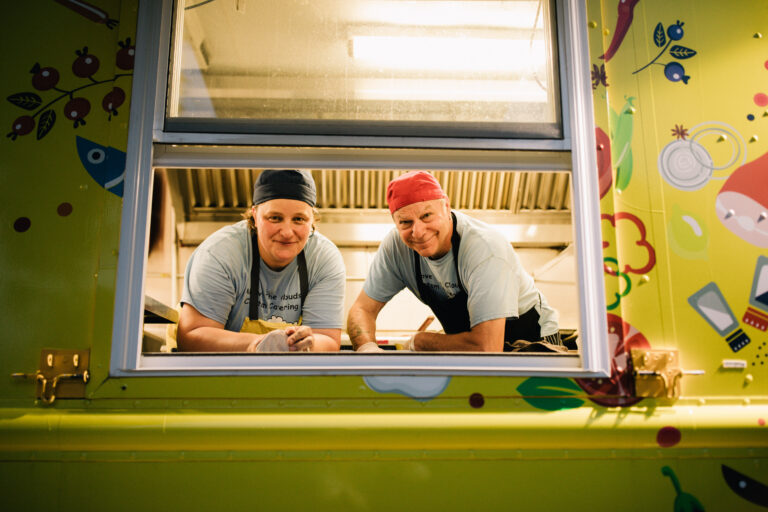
<point>521,160</point>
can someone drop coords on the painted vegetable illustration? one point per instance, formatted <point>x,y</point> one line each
<point>746,487</point>
<point>77,106</point>
<point>621,143</point>
<point>623,22</point>
<point>604,168</point>
<point>673,71</point>
<point>684,502</point>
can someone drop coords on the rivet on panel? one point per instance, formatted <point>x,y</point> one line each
<point>747,401</point>
<point>606,31</point>
<point>645,278</point>
<point>702,401</point>
<point>765,114</point>
<point>758,35</point>
<point>753,138</point>
<point>600,147</point>
<point>748,378</point>
<point>722,138</point>
<point>592,24</point>
<point>631,110</point>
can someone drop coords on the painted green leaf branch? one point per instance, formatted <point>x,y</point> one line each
<point>25,100</point>
<point>47,119</point>
<point>658,35</point>
<point>621,140</point>
<point>550,394</point>
<point>681,52</point>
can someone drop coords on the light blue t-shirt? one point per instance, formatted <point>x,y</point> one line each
<point>218,278</point>
<point>496,283</point>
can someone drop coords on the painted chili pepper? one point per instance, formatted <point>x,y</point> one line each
<point>626,13</point>
<point>91,12</point>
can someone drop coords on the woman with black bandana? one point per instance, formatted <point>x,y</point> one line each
<point>270,273</point>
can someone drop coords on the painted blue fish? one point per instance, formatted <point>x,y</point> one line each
<point>106,165</point>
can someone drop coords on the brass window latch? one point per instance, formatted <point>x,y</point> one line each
<point>62,374</point>
<point>657,373</point>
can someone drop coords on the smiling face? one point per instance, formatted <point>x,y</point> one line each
<point>284,226</point>
<point>426,227</point>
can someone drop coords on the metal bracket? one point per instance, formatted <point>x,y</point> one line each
<point>62,374</point>
<point>657,373</point>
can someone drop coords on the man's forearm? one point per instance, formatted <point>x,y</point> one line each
<point>460,342</point>
<point>361,327</point>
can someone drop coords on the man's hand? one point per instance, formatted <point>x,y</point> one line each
<point>371,347</point>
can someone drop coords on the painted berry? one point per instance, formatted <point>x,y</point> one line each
<point>125,54</point>
<point>86,64</point>
<point>112,100</point>
<point>675,72</point>
<point>76,109</point>
<point>675,32</point>
<point>21,126</point>
<point>44,78</point>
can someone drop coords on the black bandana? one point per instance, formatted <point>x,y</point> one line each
<point>284,184</point>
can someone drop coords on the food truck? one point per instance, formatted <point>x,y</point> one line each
<point>620,145</point>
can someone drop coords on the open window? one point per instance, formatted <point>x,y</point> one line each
<point>492,97</point>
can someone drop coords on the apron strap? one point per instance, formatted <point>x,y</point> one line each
<point>303,278</point>
<point>253,303</point>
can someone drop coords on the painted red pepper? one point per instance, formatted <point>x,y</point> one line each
<point>626,13</point>
<point>91,12</point>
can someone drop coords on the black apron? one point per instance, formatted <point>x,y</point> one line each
<point>453,313</point>
<point>253,302</point>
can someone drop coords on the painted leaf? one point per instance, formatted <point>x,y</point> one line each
<point>681,52</point>
<point>612,123</point>
<point>25,100</point>
<point>624,171</point>
<point>622,145</point>
<point>45,124</point>
<point>658,35</point>
<point>551,394</point>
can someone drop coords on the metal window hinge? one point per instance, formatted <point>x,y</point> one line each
<point>62,374</point>
<point>658,373</point>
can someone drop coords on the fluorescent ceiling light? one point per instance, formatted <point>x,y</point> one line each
<point>449,53</point>
<point>509,14</point>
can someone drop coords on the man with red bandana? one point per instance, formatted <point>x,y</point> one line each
<point>463,269</point>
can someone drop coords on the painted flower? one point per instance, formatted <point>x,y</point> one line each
<point>680,131</point>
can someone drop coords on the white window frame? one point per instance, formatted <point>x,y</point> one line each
<point>150,146</point>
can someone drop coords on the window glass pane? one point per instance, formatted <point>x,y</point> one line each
<point>403,65</point>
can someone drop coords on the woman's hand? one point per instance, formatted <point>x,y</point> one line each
<point>300,338</point>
